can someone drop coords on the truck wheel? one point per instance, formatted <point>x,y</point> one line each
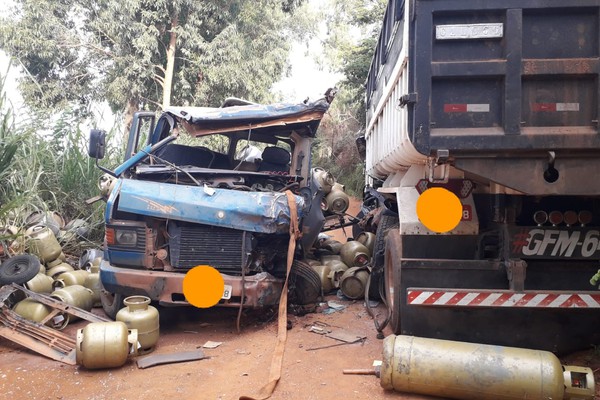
<point>304,284</point>
<point>392,273</point>
<point>19,269</point>
<point>387,223</point>
<point>111,303</point>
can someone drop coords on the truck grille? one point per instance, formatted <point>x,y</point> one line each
<point>192,245</point>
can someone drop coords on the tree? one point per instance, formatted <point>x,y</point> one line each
<point>353,27</point>
<point>143,54</point>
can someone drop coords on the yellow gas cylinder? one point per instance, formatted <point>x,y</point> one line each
<point>324,272</point>
<point>105,345</point>
<point>75,295</point>
<point>54,263</point>
<point>59,269</point>
<point>37,312</point>
<point>139,314</point>
<point>324,178</point>
<point>92,282</point>
<point>337,201</point>
<point>472,371</point>
<point>43,243</point>
<point>330,257</point>
<point>336,270</point>
<point>70,278</point>
<point>355,254</point>
<point>332,245</point>
<point>40,283</point>
<point>353,282</point>
<point>368,239</point>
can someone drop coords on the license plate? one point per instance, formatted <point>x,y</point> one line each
<point>227,292</point>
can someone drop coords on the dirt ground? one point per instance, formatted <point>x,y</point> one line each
<point>239,366</point>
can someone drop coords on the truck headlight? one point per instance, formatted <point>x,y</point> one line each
<point>125,237</point>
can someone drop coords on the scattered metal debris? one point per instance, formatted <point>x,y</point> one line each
<point>159,359</point>
<point>36,336</point>
<point>211,345</point>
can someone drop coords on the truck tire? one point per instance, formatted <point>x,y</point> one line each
<point>19,269</point>
<point>392,273</point>
<point>387,223</point>
<point>111,303</point>
<point>304,284</point>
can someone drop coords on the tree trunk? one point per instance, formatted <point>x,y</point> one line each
<point>168,83</point>
<point>132,106</point>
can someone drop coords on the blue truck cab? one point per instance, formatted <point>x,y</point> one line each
<point>206,186</point>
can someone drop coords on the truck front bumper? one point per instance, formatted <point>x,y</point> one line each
<point>259,290</point>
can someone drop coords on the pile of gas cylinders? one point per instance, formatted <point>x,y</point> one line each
<point>44,269</point>
<point>344,266</point>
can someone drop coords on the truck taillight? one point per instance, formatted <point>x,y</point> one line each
<point>570,217</point>
<point>109,235</point>
<point>540,217</point>
<point>460,187</point>
<point>555,217</point>
<point>584,217</point>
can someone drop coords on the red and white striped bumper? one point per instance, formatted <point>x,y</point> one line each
<point>501,298</point>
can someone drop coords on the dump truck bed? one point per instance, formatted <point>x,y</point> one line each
<point>502,79</point>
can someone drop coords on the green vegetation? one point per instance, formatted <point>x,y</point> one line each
<point>353,26</point>
<point>139,55</point>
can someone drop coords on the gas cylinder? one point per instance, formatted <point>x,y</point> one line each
<point>324,178</point>
<point>324,272</point>
<point>139,314</point>
<point>42,269</point>
<point>36,312</point>
<point>368,239</point>
<point>70,278</point>
<point>332,245</point>
<point>336,270</point>
<point>461,370</point>
<point>54,263</point>
<point>43,243</point>
<point>337,201</point>
<point>91,256</point>
<point>353,282</point>
<point>330,257</point>
<point>92,282</point>
<point>104,344</point>
<point>355,254</point>
<point>59,269</point>
<point>40,283</point>
<point>75,295</point>
<point>106,184</point>
<point>313,262</point>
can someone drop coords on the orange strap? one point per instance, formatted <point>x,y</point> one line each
<point>277,360</point>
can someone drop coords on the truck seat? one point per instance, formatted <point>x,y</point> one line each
<point>275,159</point>
<point>181,155</point>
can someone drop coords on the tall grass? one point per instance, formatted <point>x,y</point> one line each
<point>44,166</point>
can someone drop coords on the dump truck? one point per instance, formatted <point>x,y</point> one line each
<point>207,186</point>
<point>497,102</point>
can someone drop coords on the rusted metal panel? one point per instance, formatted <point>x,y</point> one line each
<point>260,290</point>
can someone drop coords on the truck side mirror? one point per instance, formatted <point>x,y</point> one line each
<point>361,146</point>
<point>97,144</point>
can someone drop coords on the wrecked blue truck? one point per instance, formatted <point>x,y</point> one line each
<point>206,186</point>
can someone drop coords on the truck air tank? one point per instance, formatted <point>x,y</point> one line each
<point>461,370</point>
